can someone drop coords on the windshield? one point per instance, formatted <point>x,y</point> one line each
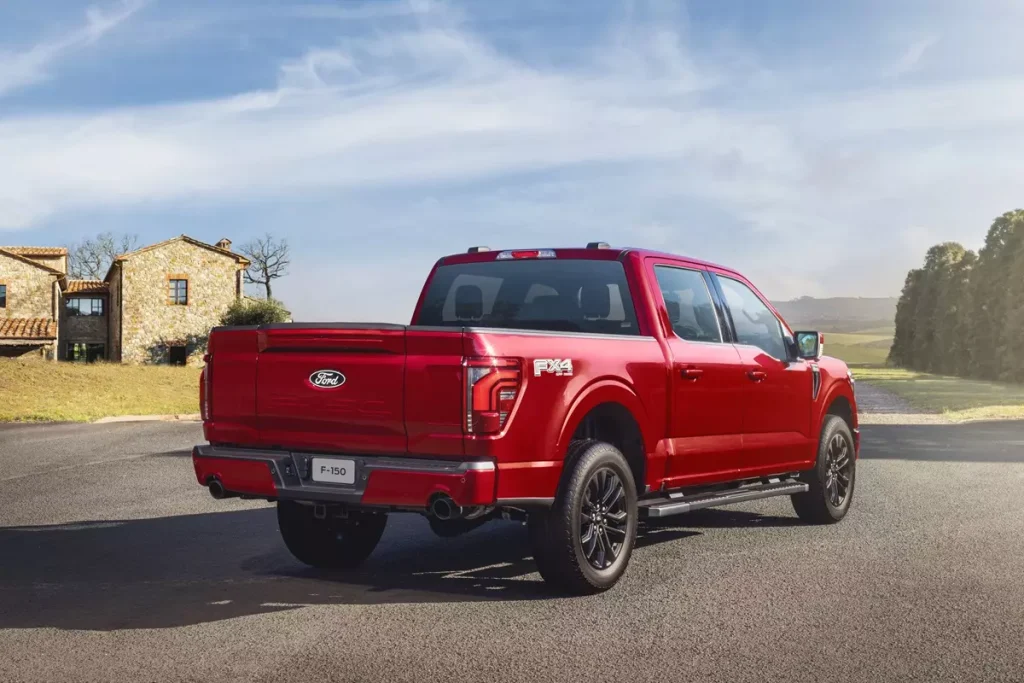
<point>543,294</point>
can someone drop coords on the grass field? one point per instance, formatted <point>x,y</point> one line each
<point>35,390</point>
<point>958,398</point>
<point>868,347</point>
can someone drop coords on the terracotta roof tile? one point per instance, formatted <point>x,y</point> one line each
<point>27,328</point>
<point>37,251</point>
<point>86,287</point>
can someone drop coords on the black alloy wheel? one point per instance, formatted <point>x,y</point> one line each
<point>838,473</point>
<point>604,519</point>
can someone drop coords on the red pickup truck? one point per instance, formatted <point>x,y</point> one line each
<point>579,390</point>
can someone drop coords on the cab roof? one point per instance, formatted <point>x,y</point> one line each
<point>603,253</point>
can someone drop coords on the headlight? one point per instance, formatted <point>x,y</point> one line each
<point>849,376</point>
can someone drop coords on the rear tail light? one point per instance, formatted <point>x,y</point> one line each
<point>492,386</point>
<point>206,384</point>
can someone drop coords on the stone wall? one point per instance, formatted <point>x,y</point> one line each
<point>150,324</point>
<point>56,262</point>
<point>114,313</point>
<point>29,290</point>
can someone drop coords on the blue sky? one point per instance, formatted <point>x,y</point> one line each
<point>820,147</point>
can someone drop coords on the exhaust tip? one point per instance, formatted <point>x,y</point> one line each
<point>216,489</point>
<point>443,507</point>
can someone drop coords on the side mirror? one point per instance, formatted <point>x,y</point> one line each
<point>809,345</point>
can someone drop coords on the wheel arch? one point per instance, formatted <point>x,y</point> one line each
<point>610,411</point>
<point>842,406</point>
<point>839,400</point>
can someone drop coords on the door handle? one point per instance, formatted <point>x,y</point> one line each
<point>757,375</point>
<point>692,374</point>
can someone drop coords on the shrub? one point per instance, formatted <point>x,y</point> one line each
<point>254,312</point>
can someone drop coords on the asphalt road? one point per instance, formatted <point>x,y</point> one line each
<point>115,565</point>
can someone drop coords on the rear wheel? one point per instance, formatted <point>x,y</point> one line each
<point>332,542</point>
<point>583,543</point>
<point>831,481</point>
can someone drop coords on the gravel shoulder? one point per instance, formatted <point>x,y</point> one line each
<point>877,406</point>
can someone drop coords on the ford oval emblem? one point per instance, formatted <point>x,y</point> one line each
<point>327,379</point>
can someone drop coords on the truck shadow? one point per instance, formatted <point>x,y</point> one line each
<point>175,571</point>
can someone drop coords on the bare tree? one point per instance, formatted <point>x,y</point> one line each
<point>268,260</point>
<point>91,258</point>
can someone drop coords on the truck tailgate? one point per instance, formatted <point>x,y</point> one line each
<point>323,387</point>
<point>358,388</point>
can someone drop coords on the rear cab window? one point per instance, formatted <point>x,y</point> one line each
<point>558,295</point>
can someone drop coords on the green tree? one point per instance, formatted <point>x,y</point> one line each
<point>900,353</point>
<point>991,281</point>
<point>929,312</point>
<point>254,312</point>
<point>926,349</point>
<point>955,324</point>
<point>1011,346</point>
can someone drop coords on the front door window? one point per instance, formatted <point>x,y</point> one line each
<point>755,323</point>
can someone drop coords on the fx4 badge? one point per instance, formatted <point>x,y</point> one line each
<point>552,366</point>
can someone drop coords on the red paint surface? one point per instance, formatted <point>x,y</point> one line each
<point>239,476</point>
<point>404,395</point>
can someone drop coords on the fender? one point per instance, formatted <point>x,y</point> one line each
<point>834,388</point>
<point>609,390</point>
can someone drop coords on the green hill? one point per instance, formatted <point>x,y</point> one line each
<point>857,329</point>
<point>870,315</point>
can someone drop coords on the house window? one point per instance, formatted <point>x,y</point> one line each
<point>177,355</point>
<point>85,306</point>
<point>3,296</point>
<point>177,290</point>
<point>86,353</point>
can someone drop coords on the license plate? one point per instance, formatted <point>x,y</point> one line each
<point>334,470</point>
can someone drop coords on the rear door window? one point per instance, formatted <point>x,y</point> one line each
<point>690,309</point>
<point>561,295</point>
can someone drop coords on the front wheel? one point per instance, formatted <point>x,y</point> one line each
<point>332,542</point>
<point>831,481</point>
<point>582,544</point>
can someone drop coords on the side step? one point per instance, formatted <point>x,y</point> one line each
<point>676,504</point>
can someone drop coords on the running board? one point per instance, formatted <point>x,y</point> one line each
<point>677,504</point>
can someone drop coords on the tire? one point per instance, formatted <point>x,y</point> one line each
<point>572,555</point>
<point>827,501</point>
<point>330,543</point>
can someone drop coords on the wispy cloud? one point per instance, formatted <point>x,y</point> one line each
<point>31,66</point>
<point>655,145</point>
<point>911,58</point>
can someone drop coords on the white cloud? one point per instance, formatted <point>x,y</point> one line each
<point>646,127</point>
<point>22,69</point>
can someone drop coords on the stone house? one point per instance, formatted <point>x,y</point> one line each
<point>155,305</point>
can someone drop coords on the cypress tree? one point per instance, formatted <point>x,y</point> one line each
<point>950,262</point>
<point>1011,344</point>
<point>900,353</point>
<point>990,295</point>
